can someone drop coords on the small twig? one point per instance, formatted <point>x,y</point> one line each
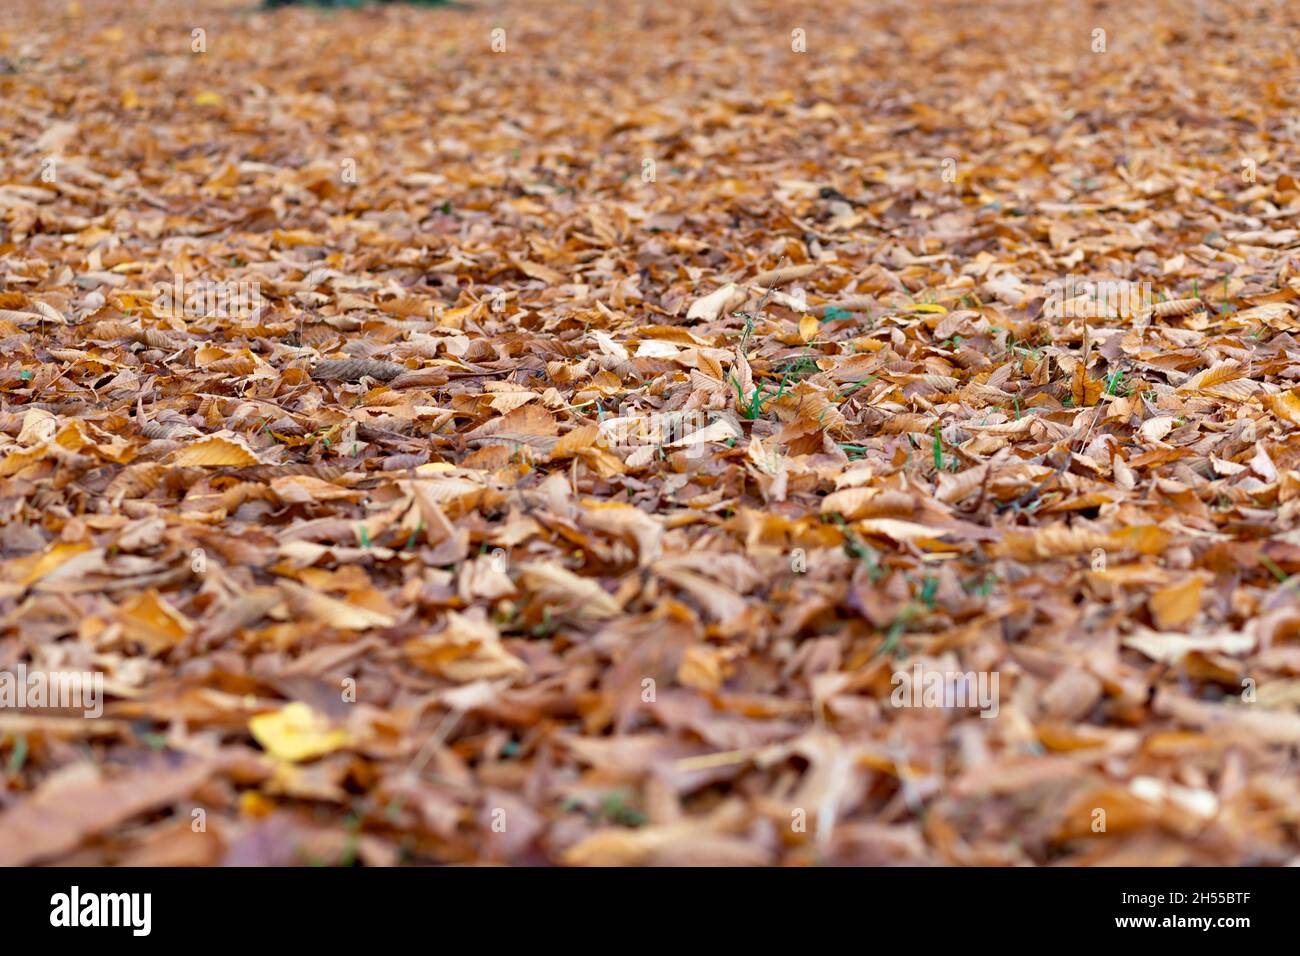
<point>445,728</point>
<point>758,312</point>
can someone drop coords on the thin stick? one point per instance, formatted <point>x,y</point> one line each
<point>767,293</point>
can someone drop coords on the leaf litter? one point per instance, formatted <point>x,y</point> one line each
<point>563,455</point>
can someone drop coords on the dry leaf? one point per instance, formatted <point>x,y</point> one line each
<point>467,649</point>
<point>216,451</point>
<point>1177,605</point>
<point>296,733</point>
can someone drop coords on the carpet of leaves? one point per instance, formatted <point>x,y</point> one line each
<point>370,577</point>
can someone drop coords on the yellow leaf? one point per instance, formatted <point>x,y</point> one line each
<point>615,846</point>
<point>1146,539</point>
<point>253,804</point>
<point>216,451</point>
<point>225,178</point>
<point>455,318</point>
<point>1285,406</point>
<point>507,400</point>
<point>208,98</point>
<point>20,458</point>
<point>703,668</point>
<point>295,733</point>
<point>149,619</point>
<point>927,307</point>
<point>35,567</point>
<point>1053,541</point>
<point>1216,374</point>
<point>850,502</point>
<point>1084,390</point>
<point>808,326</point>
<point>576,441</point>
<point>1241,390</point>
<point>603,463</point>
<point>1177,605</point>
<point>294,237</point>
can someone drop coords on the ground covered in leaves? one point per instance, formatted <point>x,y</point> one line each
<point>372,577</point>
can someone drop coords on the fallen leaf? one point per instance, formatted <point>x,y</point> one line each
<point>296,733</point>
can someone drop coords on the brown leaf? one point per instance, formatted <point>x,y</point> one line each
<point>79,802</point>
<point>216,451</point>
